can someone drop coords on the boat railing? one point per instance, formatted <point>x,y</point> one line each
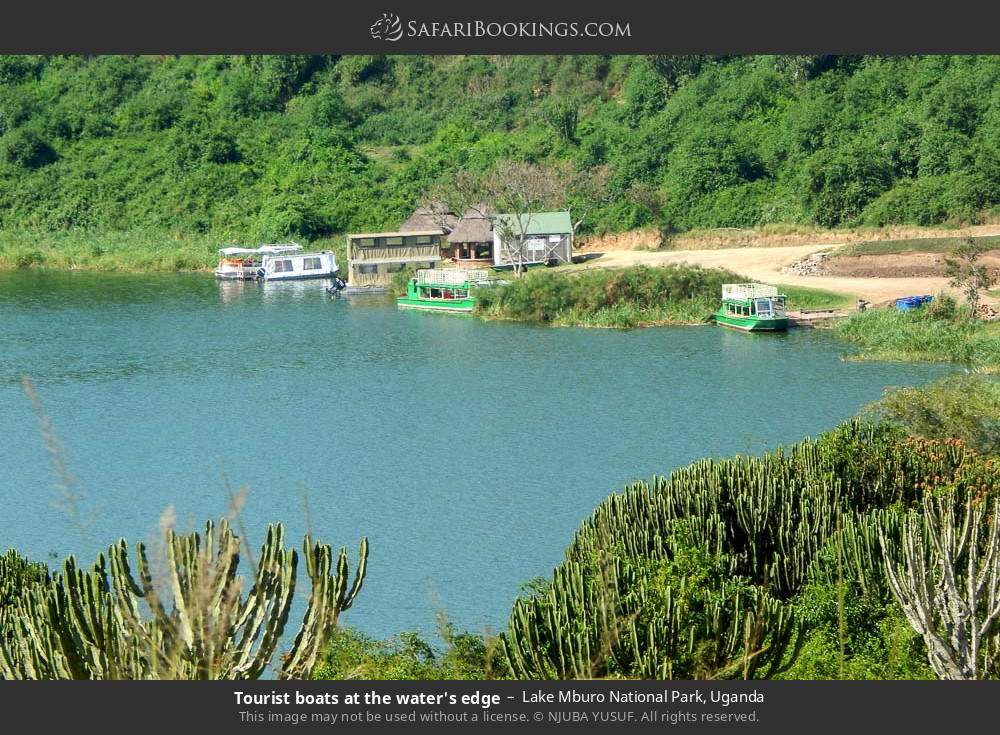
<point>744,291</point>
<point>452,276</point>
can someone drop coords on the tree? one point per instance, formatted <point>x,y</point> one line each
<point>519,190</point>
<point>949,582</point>
<point>968,274</point>
<point>563,115</point>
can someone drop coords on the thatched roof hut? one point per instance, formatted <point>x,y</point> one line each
<point>435,216</point>
<point>476,225</point>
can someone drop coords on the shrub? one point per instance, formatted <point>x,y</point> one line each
<point>965,407</point>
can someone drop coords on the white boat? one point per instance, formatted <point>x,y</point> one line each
<point>274,263</point>
<point>244,264</point>
<point>292,266</point>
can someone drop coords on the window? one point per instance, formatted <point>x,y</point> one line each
<point>423,239</point>
<point>311,264</point>
<point>283,266</point>
<point>394,241</point>
<point>423,266</point>
<point>368,268</point>
<point>366,242</point>
<point>394,268</point>
<point>484,250</point>
<point>534,248</point>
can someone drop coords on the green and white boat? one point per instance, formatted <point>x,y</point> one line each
<point>752,307</point>
<point>443,289</point>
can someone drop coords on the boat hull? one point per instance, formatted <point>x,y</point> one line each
<point>272,277</point>
<point>752,323</point>
<point>457,306</point>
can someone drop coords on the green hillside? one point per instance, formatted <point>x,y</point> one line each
<point>264,147</point>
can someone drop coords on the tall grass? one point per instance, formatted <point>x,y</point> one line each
<point>940,333</point>
<point>132,251</point>
<point>631,297</point>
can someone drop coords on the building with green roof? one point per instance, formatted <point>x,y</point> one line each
<point>532,238</point>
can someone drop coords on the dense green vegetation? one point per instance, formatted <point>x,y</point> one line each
<point>261,148</point>
<point>353,655</point>
<point>941,332</point>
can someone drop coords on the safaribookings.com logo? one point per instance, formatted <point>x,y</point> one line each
<point>390,28</point>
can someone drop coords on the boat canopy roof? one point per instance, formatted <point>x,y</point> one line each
<point>262,250</point>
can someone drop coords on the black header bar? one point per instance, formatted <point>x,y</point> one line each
<point>508,27</point>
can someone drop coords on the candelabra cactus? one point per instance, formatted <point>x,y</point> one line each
<point>89,624</point>
<point>814,511</point>
<point>948,583</point>
<point>17,577</point>
<point>609,620</point>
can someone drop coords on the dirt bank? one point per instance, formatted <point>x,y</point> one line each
<point>897,265</point>
<point>772,236</point>
<point>765,264</point>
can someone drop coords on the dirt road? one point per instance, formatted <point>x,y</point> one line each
<point>765,264</point>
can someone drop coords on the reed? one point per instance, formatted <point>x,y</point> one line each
<point>131,251</point>
<point>936,334</point>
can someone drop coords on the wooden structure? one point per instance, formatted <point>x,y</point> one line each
<point>373,258</point>
<point>470,243</point>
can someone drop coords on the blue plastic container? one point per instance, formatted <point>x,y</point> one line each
<point>912,302</point>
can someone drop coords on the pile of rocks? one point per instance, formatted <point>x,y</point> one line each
<point>811,266</point>
<point>987,313</point>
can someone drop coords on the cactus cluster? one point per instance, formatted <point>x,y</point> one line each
<point>17,575</point>
<point>608,620</point>
<point>191,620</point>
<point>816,510</point>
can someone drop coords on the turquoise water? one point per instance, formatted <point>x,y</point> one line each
<point>467,451</point>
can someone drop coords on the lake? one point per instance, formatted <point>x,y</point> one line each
<point>467,451</point>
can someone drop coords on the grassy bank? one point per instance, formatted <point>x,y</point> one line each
<point>132,251</point>
<point>942,333</point>
<point>630,297</point>
<point>135,251</point>
<point>800,298</point>
<point>915,245</point>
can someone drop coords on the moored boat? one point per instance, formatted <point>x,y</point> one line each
<point>243,264</point>
<point>294,266</point>
<point>443,289</point>
<point>274,263</point>
<point>752,307</point>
